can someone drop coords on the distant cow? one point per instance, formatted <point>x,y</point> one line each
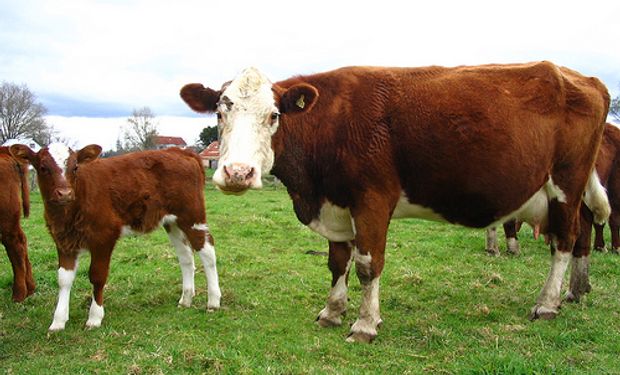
<point>90,203</point>
<point>358,146</point>
<point>608,168</point>
<point>15,201</point>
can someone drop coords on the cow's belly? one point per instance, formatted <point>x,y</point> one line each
<point>334,223</point>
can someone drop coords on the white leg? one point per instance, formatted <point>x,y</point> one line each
<point>336,305</point>
<point>365,327</point>
<point>207,256</point>
<point>65,281</point>
<point>512,245</point>
<point>492,247</point>
<point>186,261</point>
<point>95,315</point>
<point>549,298</point>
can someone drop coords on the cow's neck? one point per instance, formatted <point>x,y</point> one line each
<point>60,220</point>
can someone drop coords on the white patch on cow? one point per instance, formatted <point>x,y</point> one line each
<point>550,295</point>
<point>201,227</point>
<point>168,219</point>
<point>65,282</point>
<point>596,199</point>
<point>60,154</point>
<point>554,191</point>
<point>207,256</point>
<point>186,262</point>
<point>95,315</point>
<point>334,223</point>
<point>405,209</point>
<point>246,126</point>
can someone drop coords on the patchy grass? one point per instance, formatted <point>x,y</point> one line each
<point>447,306</point>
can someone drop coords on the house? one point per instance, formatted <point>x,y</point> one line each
<point>162,142</point>
<point>211,155</point>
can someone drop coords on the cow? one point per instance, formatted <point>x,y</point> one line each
<point>608,168</point>
<point>15,201</point>
<point>91,202</point>
<point>470,145</point>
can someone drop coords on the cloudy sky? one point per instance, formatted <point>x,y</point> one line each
<point>91,62</point>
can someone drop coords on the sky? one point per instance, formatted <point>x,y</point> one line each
<point>91,62</point>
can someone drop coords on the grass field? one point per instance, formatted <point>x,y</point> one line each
<point>447,306</point>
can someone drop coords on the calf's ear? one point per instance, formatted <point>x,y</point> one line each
<point>88,154</point>
<point>199,98</point>
<point>298,99</point>
<point>23,153</point>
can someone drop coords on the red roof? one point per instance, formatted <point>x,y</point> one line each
<point>212,151</point>
<point>165,140</point>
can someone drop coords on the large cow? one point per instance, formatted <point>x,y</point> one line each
<point>15,201</point>
<point>358,146</point>
<point>90,203</point>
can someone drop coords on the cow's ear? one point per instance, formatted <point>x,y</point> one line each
<point>23,153</point>
<point>199,98</point>
<point>88,154</point>
<point>298,99</point>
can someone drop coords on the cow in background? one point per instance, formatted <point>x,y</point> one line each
<point>90,203</point>
<point>15,201</point>
<point>358,146</point>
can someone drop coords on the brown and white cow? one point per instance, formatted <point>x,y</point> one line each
<point>15,201</point>
<point>90,203</point>
<point>608,168</point>
<point>358,146</point>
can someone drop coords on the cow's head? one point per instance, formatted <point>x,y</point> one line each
<point>57,167</point>
<point>249,111</point>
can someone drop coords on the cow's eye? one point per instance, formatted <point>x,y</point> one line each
<point>219,116</point>
<point>275,116</point>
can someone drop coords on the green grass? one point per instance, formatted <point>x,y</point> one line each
<point>447,306</point>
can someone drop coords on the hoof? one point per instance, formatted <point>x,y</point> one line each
<point>363,337</point>
<point>615,251</point>
<point>543,312</point>
<point>492,252</point>
<point>56,327</point>
<point>326,323</point>
<point>92,325</point>
<point>572,297</point>
<point>600,249</point>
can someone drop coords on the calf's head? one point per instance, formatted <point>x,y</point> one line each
<point>57,168</point>
<point>250,110</point>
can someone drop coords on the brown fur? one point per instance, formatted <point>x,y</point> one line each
<point>608,168</point>
<point>15,201</point>
<point>135,190</point>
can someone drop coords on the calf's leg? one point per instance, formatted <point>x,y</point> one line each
<point>186,262</point>
<point>98,275</point>
<point>16,247</point>
<point>201,240</point>
<point>66,275</point>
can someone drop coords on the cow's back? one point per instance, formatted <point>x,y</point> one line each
<point>142,187</point>
<point>470,143</point>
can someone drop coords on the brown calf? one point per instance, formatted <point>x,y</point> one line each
<point>358,146</point>
<point>15,200</point>
<point>90,203</point>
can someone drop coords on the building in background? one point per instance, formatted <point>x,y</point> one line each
<point>210,155</point>
<point>162,142</point>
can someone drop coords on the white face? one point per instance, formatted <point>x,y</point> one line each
<point>247,118</point>
<point>60,154</point>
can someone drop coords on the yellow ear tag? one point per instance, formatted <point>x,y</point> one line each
<point>300,102</point>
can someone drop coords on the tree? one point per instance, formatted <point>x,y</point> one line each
<point>208,135</point>
<point>21,115</point>
<point>140,132</point>
<point>614,109</point>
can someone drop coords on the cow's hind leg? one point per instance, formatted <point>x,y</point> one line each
<point>599,240</point>
<point>512,243</point>
<point>339,263</point>
<point>492,246</point>
<point>98,275</point>
<point>614,227</point>
<point>16,247</point>
<point>186,262</point>
<point>202,242</point>
<point>579,277</point>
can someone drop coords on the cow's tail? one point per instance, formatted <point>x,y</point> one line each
<point>23,174</point>
<point>595,197</point>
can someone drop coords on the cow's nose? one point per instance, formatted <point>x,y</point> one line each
<point>238,173</point>
<point>64,194</point>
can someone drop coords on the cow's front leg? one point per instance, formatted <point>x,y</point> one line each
<point>371,230</point>
<point>66,275</point>
<point>98,275</point>
<point>339,263</point>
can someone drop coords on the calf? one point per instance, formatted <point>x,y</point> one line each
<point>15,201</point>
<point>358,146</point>
<point>90,203</point>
